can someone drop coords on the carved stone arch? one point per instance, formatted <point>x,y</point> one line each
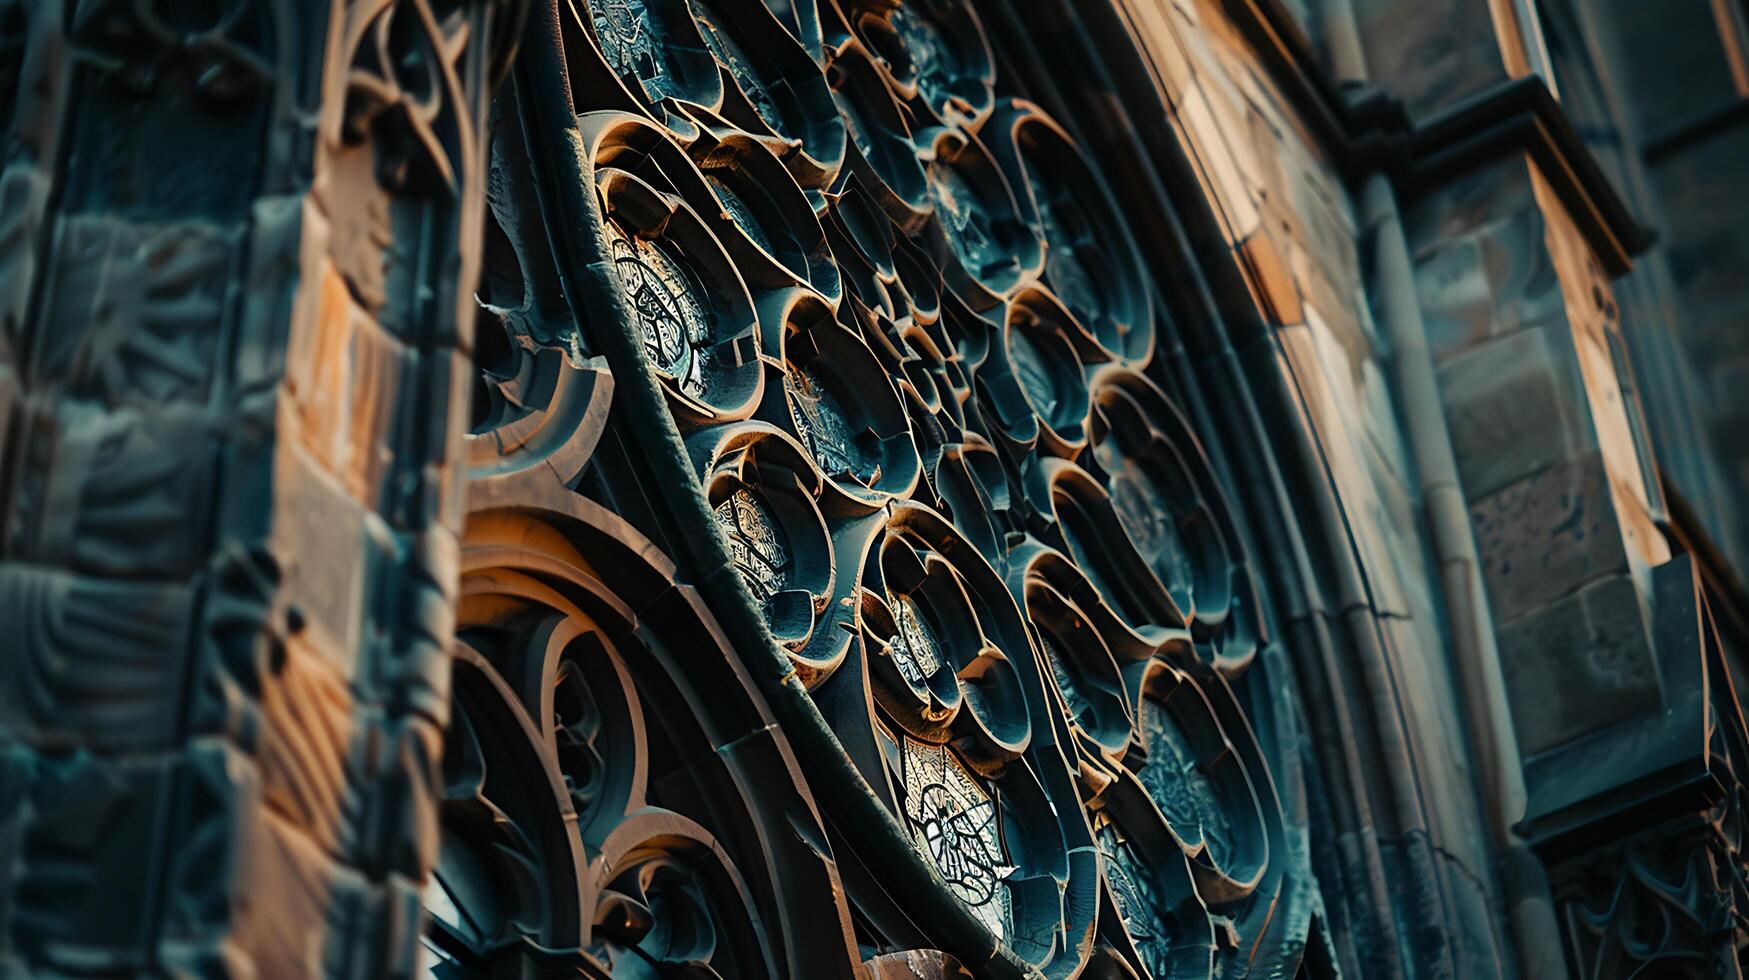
<point>681,830</point>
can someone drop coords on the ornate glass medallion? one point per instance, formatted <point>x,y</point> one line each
<point>661,296</point>
<point>1134,892</point>
<point>823,426</point>
<point>740,212</point>
<point>1148,519</point>
<point>956,823</point>
<point>966,220</point>
<point>1178,784</point>
<point>1064,675</point>
<point>1066,232</point>
<point>914,648</point>
<point>1032,368</point>
<point>627,37</point>
<point>756,543</point>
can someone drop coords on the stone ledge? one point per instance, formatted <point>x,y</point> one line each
<point>1367,131</point>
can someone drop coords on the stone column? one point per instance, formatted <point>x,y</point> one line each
<point>237,247</point>
<point>1599,634</point>
<point>1521,323</point>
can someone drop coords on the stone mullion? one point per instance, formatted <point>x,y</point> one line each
<point>230,556</point>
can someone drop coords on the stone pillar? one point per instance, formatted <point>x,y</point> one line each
<point>235,255</point>
<point>1519,323</point>
<point>1595,623</point>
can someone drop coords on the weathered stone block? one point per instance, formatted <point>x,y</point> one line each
<point>1431,53</point>
<point>1542,536</point>
<point>137,308</point>
<point>1456,304</point>
<point>1223,181</point>
<point>1579,665</point>
<point>1271,280</point>
<point>1515,405</point>
<point>121,488</point>
<point>314,511</point>
<point>1467,204</point>
<point>84,855</point>
<point>1490,283</point>
<point>84,670</point>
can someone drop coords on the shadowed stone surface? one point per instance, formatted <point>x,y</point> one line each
<point>1579,664</point>
<point>1516,406</point>
<point>865,489</point>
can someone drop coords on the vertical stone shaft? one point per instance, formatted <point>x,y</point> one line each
<point>237,241</point>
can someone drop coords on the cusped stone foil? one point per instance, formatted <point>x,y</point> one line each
<point>763,491</point>
<point>1184,830</point>
<point>508,866</point>
<point>1092,263</point>
<point>862,243</point>
<point>780,243</point>
<point>994,845</point>
<point>918,626</point>
<point>758,544</point>
<point>1043,362</point>
<point>773,88</point>
<point>922,605</point>
<point>671,901</point>
<point>1093,665</point>
<point>882,159</point>
<point>930,601</point>
<point>671,304</point>
<point>1203,770</point>
<point>971,488</point>
<point>985,237</point>
<point>537,401</point>
<point>1164,493</point>
<point>544,409</point>
<point>1153,897</point>
<point>1087,526</point>
<point>934,54</point>
<point>920,279</point>
<point>682,292</point>
<point>838,402</point>
<point>648,52</point>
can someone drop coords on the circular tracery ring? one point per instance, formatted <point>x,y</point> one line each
<point>878,352</point>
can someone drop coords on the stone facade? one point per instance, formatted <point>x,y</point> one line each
<point>862,488</point>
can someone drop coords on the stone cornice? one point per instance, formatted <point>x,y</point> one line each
<point>1365,130</point>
